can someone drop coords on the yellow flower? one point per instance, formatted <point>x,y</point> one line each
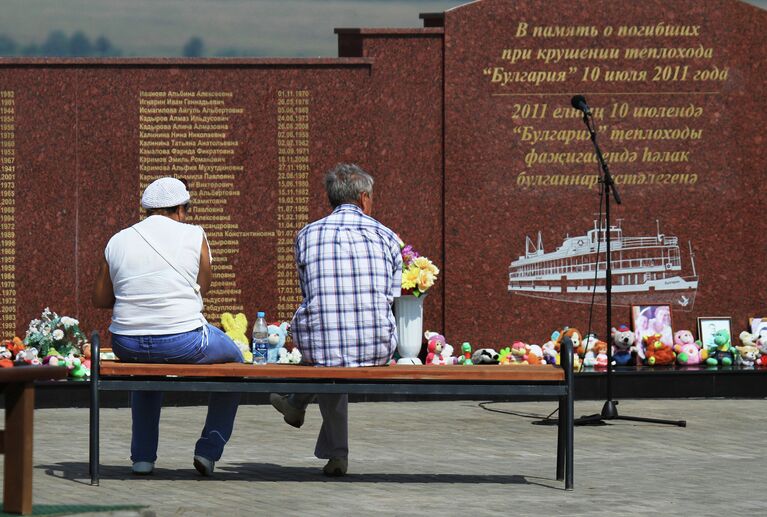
<point>426,265</point>
<point>425,280</point>
<point>410,277</point>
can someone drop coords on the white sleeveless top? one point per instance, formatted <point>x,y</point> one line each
<point>151,298</point>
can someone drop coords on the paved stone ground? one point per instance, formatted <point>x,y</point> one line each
<point>424,458</point>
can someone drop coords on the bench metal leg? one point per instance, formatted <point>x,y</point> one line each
<point>570,433</point>
<point>93,457</point>
<point>561,438</point>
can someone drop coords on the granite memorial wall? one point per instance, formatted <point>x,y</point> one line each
<point>480,162</point>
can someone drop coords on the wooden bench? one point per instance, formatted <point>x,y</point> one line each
<point>16,439</point>
<point>540,382</point>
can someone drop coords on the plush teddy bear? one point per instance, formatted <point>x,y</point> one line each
<point>434,344</point>
<point>579,347</point>
<point>623,345</point>
<point>688,352</point>
<point>747,355</point>
<point>438,351</point>
<point>484,356</point>
<point>657,352</point>
<point>721,351</point>
<point>434,352</point>
<point>278,334</point>
<point>504,355</point>
<point>236,327</point>
<point>749,340</point>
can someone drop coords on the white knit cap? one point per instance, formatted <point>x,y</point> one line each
<point>165,193</point>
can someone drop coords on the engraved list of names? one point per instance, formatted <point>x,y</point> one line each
<point>188,135</point>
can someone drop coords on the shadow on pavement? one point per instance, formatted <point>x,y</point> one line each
<point>78,472</point>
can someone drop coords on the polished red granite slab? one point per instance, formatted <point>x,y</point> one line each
<point>468,131</point>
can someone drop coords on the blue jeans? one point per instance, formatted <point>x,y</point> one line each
<point>187,347</point>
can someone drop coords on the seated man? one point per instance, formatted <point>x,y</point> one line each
<point>350,271</point>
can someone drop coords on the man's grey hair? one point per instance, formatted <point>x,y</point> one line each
<point>345,182</point>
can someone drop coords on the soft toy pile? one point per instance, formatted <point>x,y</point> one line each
<point>592,352</point>
<point>15,353</point>
<point>753,350</point>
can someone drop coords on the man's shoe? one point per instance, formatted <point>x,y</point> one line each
<point>143,468</point>
<point>336,467</point>
<point>293,415</point>
<point>203,465</point>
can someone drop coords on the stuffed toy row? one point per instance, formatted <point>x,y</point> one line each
<point>592,352</point>
<point>16,353</point>
<point>236,327</point>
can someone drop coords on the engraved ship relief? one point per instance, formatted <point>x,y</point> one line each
<point>645,270</point>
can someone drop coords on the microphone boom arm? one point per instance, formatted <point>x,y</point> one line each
<point>607,178</point>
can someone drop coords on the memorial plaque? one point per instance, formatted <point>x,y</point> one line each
<point>677,94</point>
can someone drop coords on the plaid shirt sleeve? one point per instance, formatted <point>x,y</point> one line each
<point>396,287</point>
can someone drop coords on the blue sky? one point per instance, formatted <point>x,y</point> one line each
<point>257,27</point>
<point>253,27</point>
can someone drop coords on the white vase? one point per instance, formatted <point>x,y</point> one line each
<point>408,313</point>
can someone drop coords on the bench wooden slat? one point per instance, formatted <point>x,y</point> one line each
<point>515,373</point>
<point>31,373</point>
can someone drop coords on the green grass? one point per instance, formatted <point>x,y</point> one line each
<point>73,509</point>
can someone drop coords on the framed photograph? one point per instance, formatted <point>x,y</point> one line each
<point>758,327</point>
<point>652,319</point>
<point>709,326</point>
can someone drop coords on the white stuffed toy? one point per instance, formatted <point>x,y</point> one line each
<point>292,357</point>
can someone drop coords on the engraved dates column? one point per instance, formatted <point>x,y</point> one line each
<point>293,126</point>
<point>7,212</point>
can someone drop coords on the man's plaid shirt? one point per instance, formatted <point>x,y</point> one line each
<point>350,271</point>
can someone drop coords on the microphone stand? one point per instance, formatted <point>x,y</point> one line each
<point>609,410</point>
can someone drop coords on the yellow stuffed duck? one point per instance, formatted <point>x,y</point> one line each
<point>236,327</point>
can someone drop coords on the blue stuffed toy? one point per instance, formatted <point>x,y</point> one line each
<point>278,334</point>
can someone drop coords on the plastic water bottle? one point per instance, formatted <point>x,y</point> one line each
<point>260,346</point>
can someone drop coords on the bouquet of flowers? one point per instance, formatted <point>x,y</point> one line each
<point>55,335</point>
<point>418,273</point>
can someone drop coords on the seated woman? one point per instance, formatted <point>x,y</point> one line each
<point>153,275</point>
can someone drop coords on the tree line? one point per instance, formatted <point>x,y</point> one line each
<point>58,44</point>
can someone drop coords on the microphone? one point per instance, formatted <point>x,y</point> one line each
<point>579,103</point>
